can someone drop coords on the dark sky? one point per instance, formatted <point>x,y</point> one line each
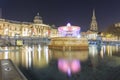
<point>60,12</point>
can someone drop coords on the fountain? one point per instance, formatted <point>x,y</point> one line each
<point>69,39</point>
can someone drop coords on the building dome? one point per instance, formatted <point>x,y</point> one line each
<point>38,19</point>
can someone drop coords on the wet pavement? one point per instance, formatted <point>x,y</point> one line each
<point>8,71</point>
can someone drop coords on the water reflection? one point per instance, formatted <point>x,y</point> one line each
<point>80,55</point>
<point>39,60</point>
<point>10,53</point>
<point>35,56</point>
<point>108,50</point>
<point>40,55</point>
<point>70,66</point>
<point>93,50</point>
<point>27,56</point>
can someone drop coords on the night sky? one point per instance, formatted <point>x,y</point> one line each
<point>60,12</point>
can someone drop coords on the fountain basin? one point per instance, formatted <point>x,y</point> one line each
<point>68,43</point>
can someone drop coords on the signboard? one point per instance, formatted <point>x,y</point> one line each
<point>19,42</point>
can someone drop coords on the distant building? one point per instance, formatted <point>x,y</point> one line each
<point>17,28</point>
<point>93,25</point>
<point>117,24</point>
<point>92,33</point>
<point>53,31</point>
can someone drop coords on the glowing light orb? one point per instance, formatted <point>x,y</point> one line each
<point>69,66</point>
<point>68,24</point>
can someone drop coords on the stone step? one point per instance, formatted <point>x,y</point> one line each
<point>9,71</point>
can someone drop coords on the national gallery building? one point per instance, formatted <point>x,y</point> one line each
<point>16,28</point>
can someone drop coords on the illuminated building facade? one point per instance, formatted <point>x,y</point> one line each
<point>53,32</point>
<point>93,25</point>
<point>16,28</point>
<point>92,33</point>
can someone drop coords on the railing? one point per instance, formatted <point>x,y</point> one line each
<point>26,40</point>
<point>112,42</point>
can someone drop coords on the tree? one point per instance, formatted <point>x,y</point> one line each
<point>114,30</point>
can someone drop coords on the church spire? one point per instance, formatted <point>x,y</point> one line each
<point>38,14</point>
<point>93,25</point>
<point>93,17</point>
